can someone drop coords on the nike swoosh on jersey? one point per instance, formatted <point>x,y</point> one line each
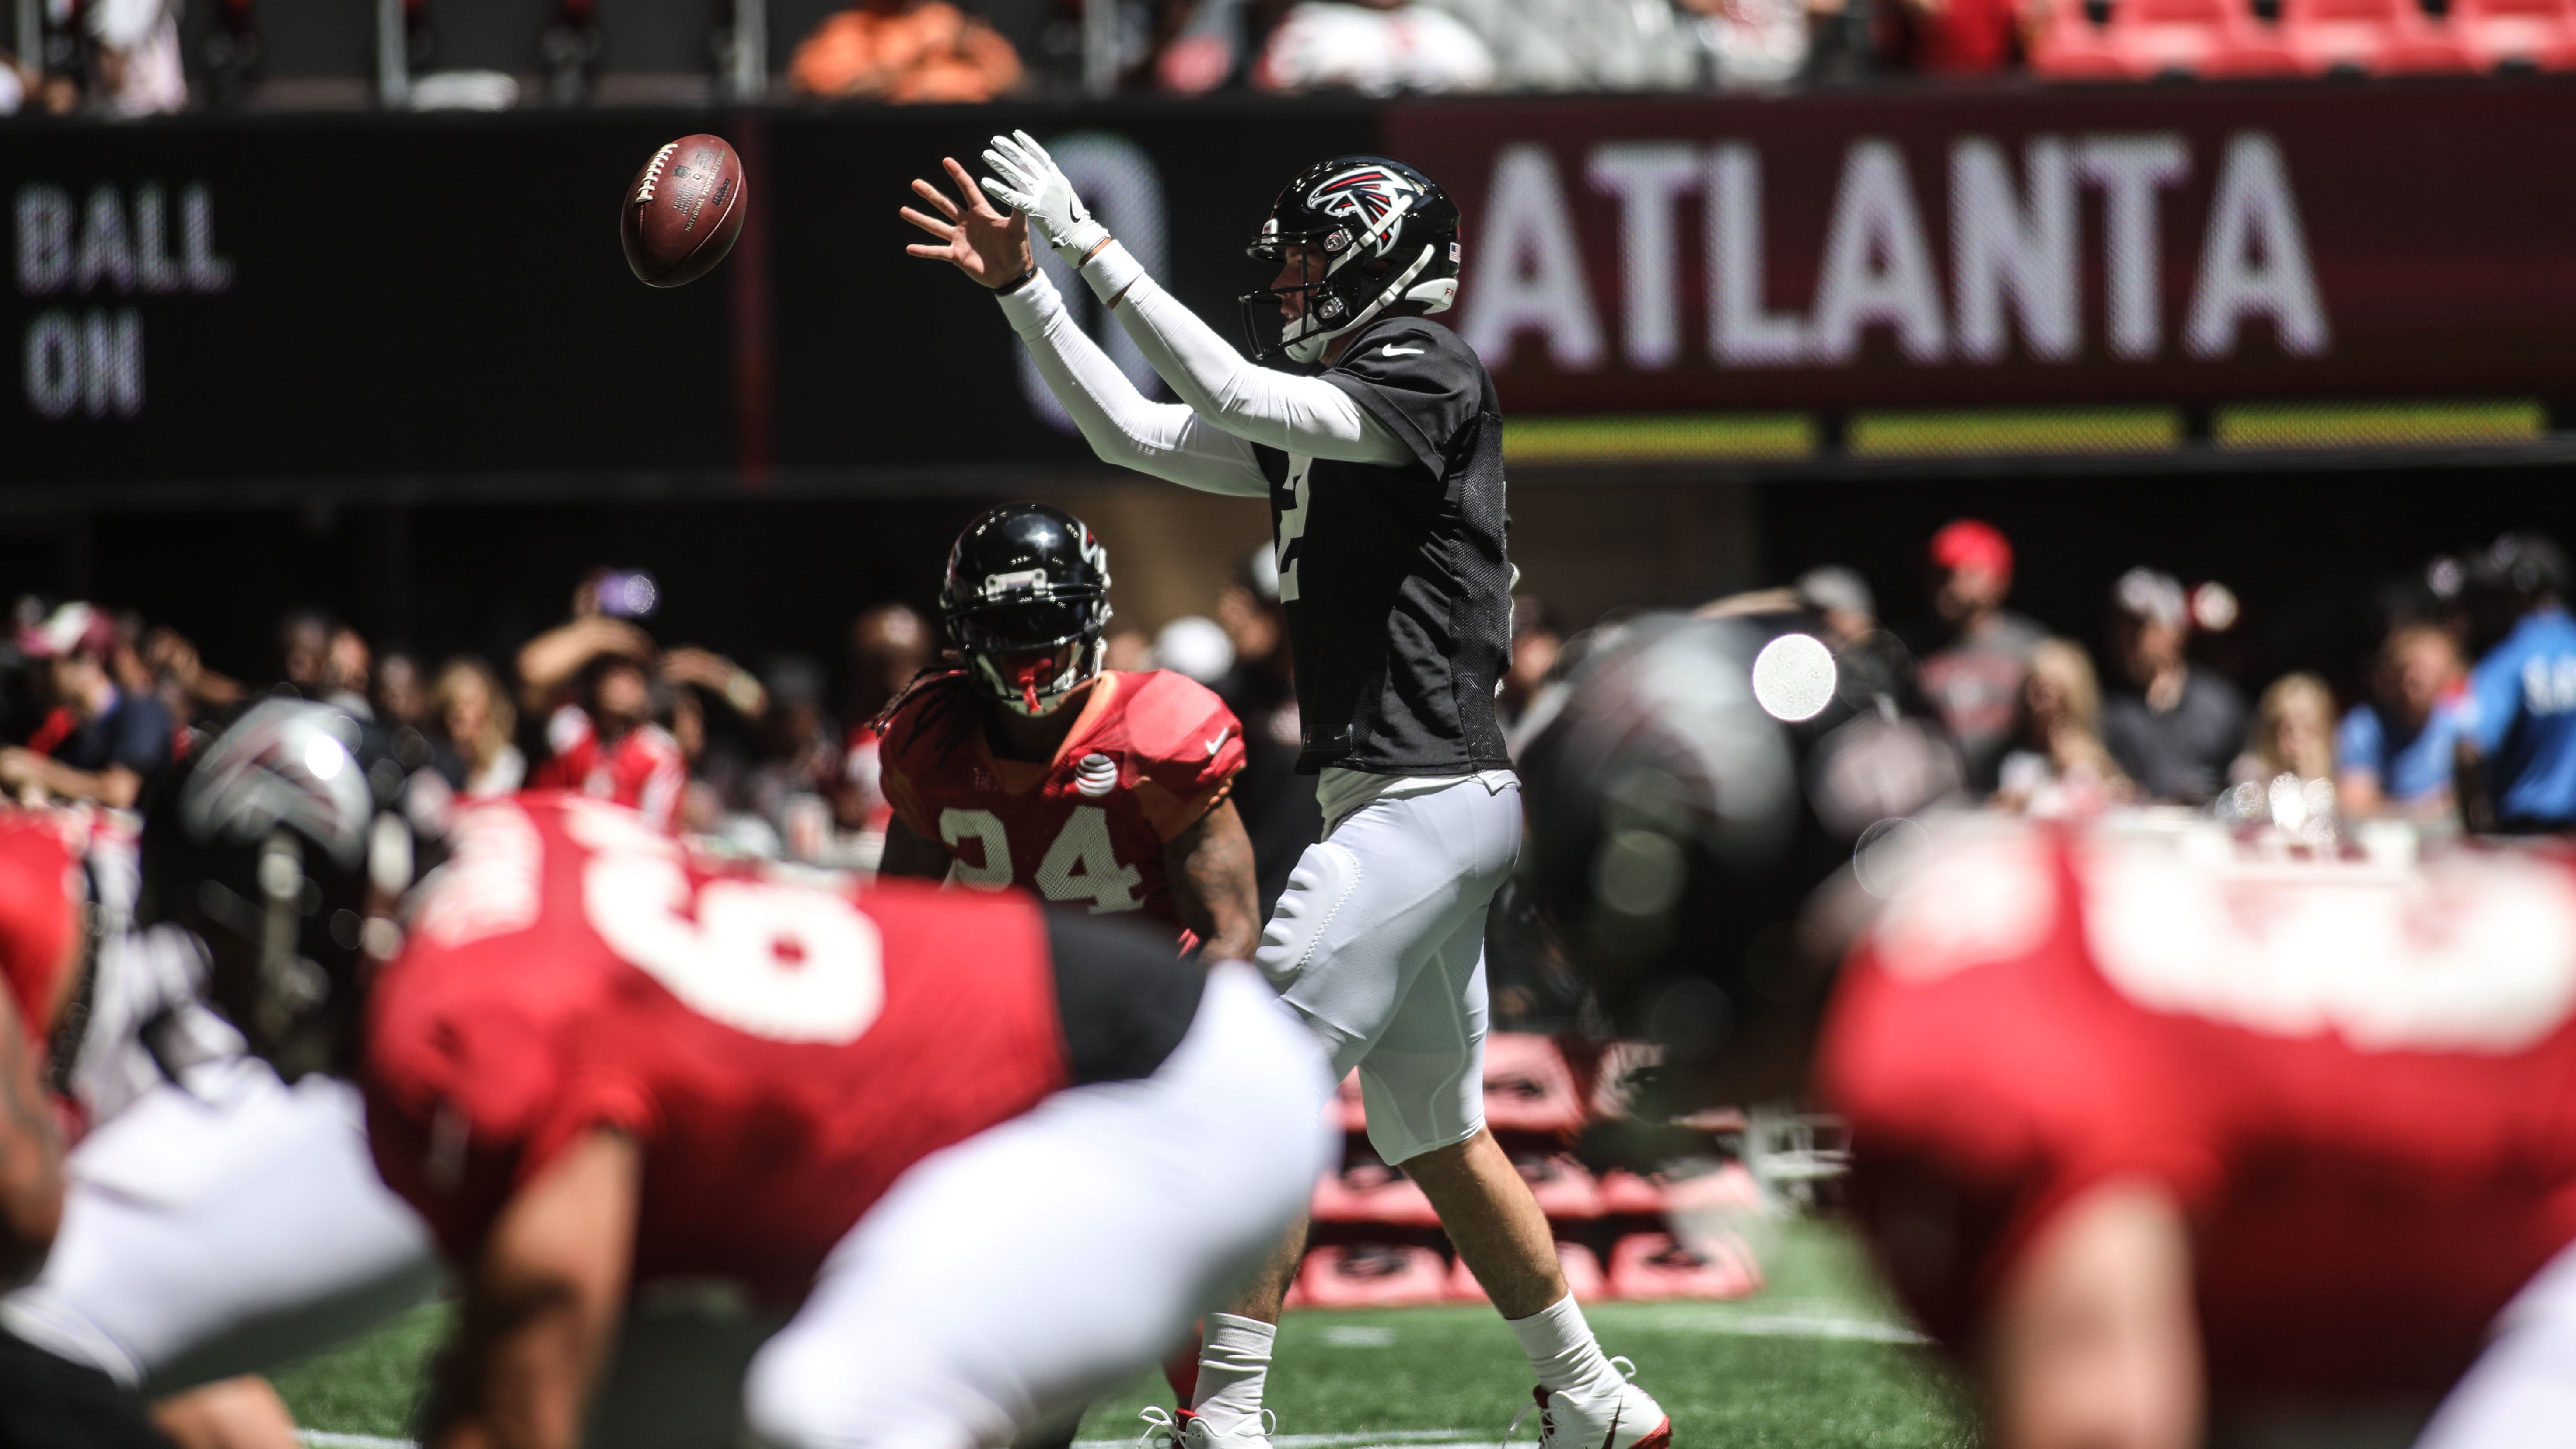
<point>1391,350</point>
<point>1219,742</point>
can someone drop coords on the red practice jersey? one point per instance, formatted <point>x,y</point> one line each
<point>2358,1082</point>
<point>644,770</point>
<point>1149,755</point>
<point>40,921</point>
<point>782,1051</point>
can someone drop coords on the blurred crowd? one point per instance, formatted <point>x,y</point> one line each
<point>2462,717</point>
<point>143,57</point>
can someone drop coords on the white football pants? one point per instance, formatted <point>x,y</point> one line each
<point>1379,943</point>
<point>2521,1393</point>
<point>1008,1280</point>
<point>213,1235</point>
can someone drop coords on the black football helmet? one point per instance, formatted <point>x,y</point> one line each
<point>1387,233</point>
<point>1688,788</point>
<point>1026,604</point>
<point>281,845</point>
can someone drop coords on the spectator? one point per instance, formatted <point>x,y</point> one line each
<point>402,690</point>
<point>2177,726</point>
<point>1375,47</point>
<point>473,712</point>
<point>1194,646</point>
<point>1952,37</point>
<point>348,669</point>
<point>1277,804</point>
<point>100,743</point>
<point>1974,678</point>
<point>889,645</point>
<point>139,70</point>
<point>905,51</point>
<point>1841,600</point>
<point>2294,732</point>
<point>1127,650</point>
<point>304,652</point>
<point>1587,45</point>
<point>1538,637</point>
<point>1750,42</point>
<point>2517,723</point>
<point>2395,751</point>
<point>187,688</point>
<point>602,741</point>
<point>2059,766</point>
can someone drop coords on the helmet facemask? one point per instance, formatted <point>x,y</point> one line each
<point>1030,679</point>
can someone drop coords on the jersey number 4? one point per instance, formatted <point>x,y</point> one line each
<point>1079,866</point>
<point>785,962</point>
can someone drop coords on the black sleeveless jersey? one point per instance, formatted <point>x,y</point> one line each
<point>1394,579</point>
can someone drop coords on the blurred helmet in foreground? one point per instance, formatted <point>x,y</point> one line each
<point>282,845</point>
<point>1695,782</point>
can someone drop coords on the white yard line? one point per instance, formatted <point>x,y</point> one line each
<point>324,1439</point>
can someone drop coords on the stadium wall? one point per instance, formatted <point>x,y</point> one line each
<point>244,310</point>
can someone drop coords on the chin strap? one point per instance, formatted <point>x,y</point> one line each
<point>1029,682</point>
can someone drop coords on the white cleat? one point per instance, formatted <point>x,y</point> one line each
<point>1626,1418</point>
<point>1186,1429</point>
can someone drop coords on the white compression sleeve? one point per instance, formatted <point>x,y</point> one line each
<point>1304,415</point>
<point>1123,426</point>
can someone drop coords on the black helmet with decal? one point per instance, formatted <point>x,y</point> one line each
<point>1376,235</point>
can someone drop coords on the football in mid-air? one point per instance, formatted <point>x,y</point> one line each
<point>682,212</point>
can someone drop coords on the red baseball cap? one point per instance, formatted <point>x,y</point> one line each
<point>1969,543</point>
<point>72,631</point>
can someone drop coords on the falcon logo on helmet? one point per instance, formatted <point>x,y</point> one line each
<point>1386,236</point>
<point>1371,197</point>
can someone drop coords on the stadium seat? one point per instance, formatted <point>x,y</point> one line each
<point>1696,1187</point>
<point>1528,1086</point>
<point>1648,1266</point>
<point>1582,1276</point>
<point>1371,1193</point>
<point>1564,1188</point>
<point>2146,39</point>
<point>1730,1188</point>
<point>2373,36</point>
<point>2537,33</point>
<point>656,52</point>
<point>1630,1194</point>
<point>1371,1275</point>
<point>313,53</point>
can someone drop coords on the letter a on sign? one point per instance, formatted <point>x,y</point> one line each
<point>2255,260</point>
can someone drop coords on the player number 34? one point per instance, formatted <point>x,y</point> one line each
<point>1079,866</point>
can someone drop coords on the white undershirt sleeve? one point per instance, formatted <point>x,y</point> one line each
<point>1123,426</point>
<point>1303,415</point>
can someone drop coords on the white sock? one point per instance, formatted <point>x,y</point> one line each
<point>1563,1352</point>
<point>1234,1358</point>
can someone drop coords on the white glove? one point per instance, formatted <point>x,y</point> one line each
<point>1033,185</point>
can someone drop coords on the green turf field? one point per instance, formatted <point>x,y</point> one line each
<point>1816,1361</point>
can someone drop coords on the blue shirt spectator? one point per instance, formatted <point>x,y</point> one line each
<point>110,743</point>
<point>2520,712</point>
<point>2397,750</point>
<point>2410,767</point>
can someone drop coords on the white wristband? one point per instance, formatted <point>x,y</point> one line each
<point>1112,272</point>
<point>1030,304</point>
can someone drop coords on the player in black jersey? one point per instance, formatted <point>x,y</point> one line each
<point>1383,470</point>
